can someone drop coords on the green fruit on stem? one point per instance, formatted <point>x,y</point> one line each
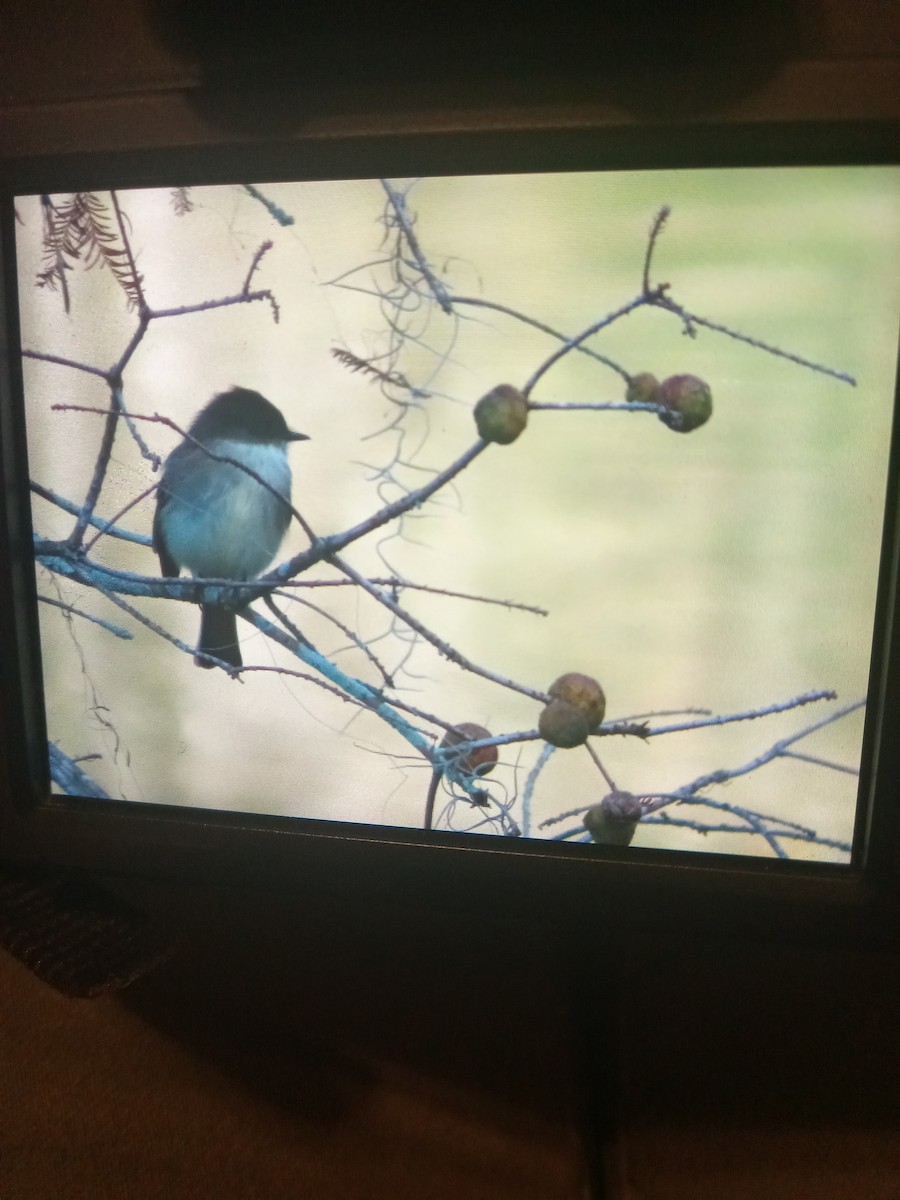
<point>501,415</point>
<point>613,821</point>
<point>582,691</point>
<point>643,388</point>
<point>688,402</point>
<point>563,725</point>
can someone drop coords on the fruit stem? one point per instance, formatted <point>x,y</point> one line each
<point>603,771</point>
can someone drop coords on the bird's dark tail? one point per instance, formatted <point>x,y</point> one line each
<point>218,636</point>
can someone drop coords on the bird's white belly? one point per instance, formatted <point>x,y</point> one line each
<point>237,530</point>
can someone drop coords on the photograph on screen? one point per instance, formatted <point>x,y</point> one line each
<point>540,506</point>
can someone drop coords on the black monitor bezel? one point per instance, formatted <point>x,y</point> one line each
<point>402,863</point>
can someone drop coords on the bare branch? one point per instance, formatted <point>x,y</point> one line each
<point>574,342</point>
<point>106,527</point>
<point>480,302</point>
<point>751,714</point>
<point>65,772</point>
<point>66,362</point>
<point>278,214</point>
<point>405,222</point>
<point>444,648</point>
<point>655,230</point>
<point>691,320</point>
<point>116,630</point>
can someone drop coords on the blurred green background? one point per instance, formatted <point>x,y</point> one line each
<point>726,569</point>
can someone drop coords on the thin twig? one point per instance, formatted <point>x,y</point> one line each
<point>275,212</point>
<point>810,838</point>
<point>116,630</point>
<point>105,526</point>
<point>325,548</point>
<point>691,319</point>
<point>573,343</point>
<point>655,230</point>
<point>101,465</point>
<point>600,767</point>
<point>254,264</point>
<point>73,365</point>
<point>154,627</point>
<point>398,203</point>
<point>69,506</point>
<point>531,783</point>
<point>752,714</point>
<point>480,302</point>
<point>66,773</point>
<point>398,584</point>
<point>776,750</point>
<point>444,648</point>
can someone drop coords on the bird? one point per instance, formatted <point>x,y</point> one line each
<point>217,520</point>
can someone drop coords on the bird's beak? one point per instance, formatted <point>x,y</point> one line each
<point>297,437</point>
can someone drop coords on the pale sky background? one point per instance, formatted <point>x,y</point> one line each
<point>725,569</point>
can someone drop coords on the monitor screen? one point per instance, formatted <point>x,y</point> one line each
<point>582,538</point>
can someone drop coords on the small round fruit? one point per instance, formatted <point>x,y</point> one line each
<point>688,402</point>
<point>614,820</point>
<point>584,692</point>
<point>501,415</point>
<point>563,725</point>
<point>480,759</point>
<point>643,388</point>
